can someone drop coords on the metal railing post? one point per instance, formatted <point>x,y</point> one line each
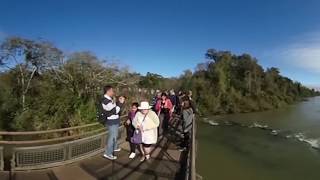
<point>1,159</point>
<point>191,173</point>
<point>193,151</point>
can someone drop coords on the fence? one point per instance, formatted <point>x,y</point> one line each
<point>69,134</point>
<point>79,147</point>
<point>37,157</point>
<point>45,153</point>
<point>191,173</point>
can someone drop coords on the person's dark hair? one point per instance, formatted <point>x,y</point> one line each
<point>136,104</point>
<point>106,88</point>
<point>125,97</point>
<point>164,94</point>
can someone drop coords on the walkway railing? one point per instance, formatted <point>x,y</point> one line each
<point>1,158</point>
<point>191,173</point>
<point>74,144</point>
<point>37,157</point>
<point>54,135</point>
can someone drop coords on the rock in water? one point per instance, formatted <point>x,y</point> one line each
<point>274,132</point>
<point>213,123</point>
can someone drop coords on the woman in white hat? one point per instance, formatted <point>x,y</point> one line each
<point>147,122</point>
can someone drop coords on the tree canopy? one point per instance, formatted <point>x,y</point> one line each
<point>229,83</point>
<point>43,88</point>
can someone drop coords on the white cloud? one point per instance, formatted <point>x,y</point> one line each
<point>303,53</point>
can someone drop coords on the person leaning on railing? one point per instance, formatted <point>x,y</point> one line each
<point>188,111</point>
<point>111,114</point>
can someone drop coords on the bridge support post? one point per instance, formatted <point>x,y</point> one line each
<point>1,159</point>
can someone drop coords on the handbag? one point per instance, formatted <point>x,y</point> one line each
<point>137,135</point>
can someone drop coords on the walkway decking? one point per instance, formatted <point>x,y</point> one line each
<point>165,164</point>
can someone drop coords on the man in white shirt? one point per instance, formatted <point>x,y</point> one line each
<point>112,110</point>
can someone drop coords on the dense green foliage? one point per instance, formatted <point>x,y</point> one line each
<point>42,88</point>
<point>155,81</point>
<point>229,83</point>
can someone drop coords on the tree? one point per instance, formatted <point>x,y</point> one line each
<point>30,58</point>
<point>229,83</point>
<point>151,80</point>
<point>41,89</point>
<point>52,90</point>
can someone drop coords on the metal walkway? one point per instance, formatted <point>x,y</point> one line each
<point>82,159</point>
<point>165,164</point>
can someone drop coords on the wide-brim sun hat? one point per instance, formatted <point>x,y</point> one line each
<point>144,105</point>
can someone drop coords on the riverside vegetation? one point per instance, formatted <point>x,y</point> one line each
<point>41,87</point>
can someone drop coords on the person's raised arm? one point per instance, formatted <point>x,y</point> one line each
<point>120,104</point>
<point>169,105</point>
<point>108,105</point>
<point>158,106</point>
<point>135,121</point>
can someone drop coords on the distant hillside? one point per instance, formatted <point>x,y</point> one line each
<point>316,88</point>
<point>230,83</point>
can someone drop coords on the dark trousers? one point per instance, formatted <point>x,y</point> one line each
<point>164,123</point>
<point>185,141</point>
<point>133,147</point>
<point>130,130</point>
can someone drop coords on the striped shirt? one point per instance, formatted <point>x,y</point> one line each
<point>110,106</point>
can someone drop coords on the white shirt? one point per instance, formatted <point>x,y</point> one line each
<point>110,106</point>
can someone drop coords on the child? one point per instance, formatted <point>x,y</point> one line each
<point>130,129</point>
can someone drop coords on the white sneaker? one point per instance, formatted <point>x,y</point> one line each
<point>148,157</point>
<point>117,150</point>
<point>132,155</point>
<point>110,157</point>
<point>143,158</point>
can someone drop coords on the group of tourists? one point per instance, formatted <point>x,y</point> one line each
<point>146,122</point>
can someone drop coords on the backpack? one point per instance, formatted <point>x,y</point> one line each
<point>102,114</point>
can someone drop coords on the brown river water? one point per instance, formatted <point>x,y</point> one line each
<point>282,144</point>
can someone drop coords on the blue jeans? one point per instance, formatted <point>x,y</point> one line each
<point>112,143</point>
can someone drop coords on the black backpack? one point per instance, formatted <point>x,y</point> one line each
<point>102,114</point>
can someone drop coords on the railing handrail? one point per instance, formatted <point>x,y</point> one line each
<point>52,139</point>
<point>193,151</point>
<point>21,133</point>
<point>191,173</point>
<point>41,141</point>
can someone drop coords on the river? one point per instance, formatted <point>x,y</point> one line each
<point>281,144</point>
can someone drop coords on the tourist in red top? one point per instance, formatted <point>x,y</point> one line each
<point>164,109</point>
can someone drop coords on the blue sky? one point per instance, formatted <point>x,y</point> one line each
<point>169,36</point>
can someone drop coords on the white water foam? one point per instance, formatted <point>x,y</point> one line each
<point>274,132</point>
<point>314,143</point>
<point>257,125</point>
<point>213,123</point>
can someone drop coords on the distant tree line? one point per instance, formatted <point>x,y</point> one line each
<point>43,88</point>
<point>229,83</point>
